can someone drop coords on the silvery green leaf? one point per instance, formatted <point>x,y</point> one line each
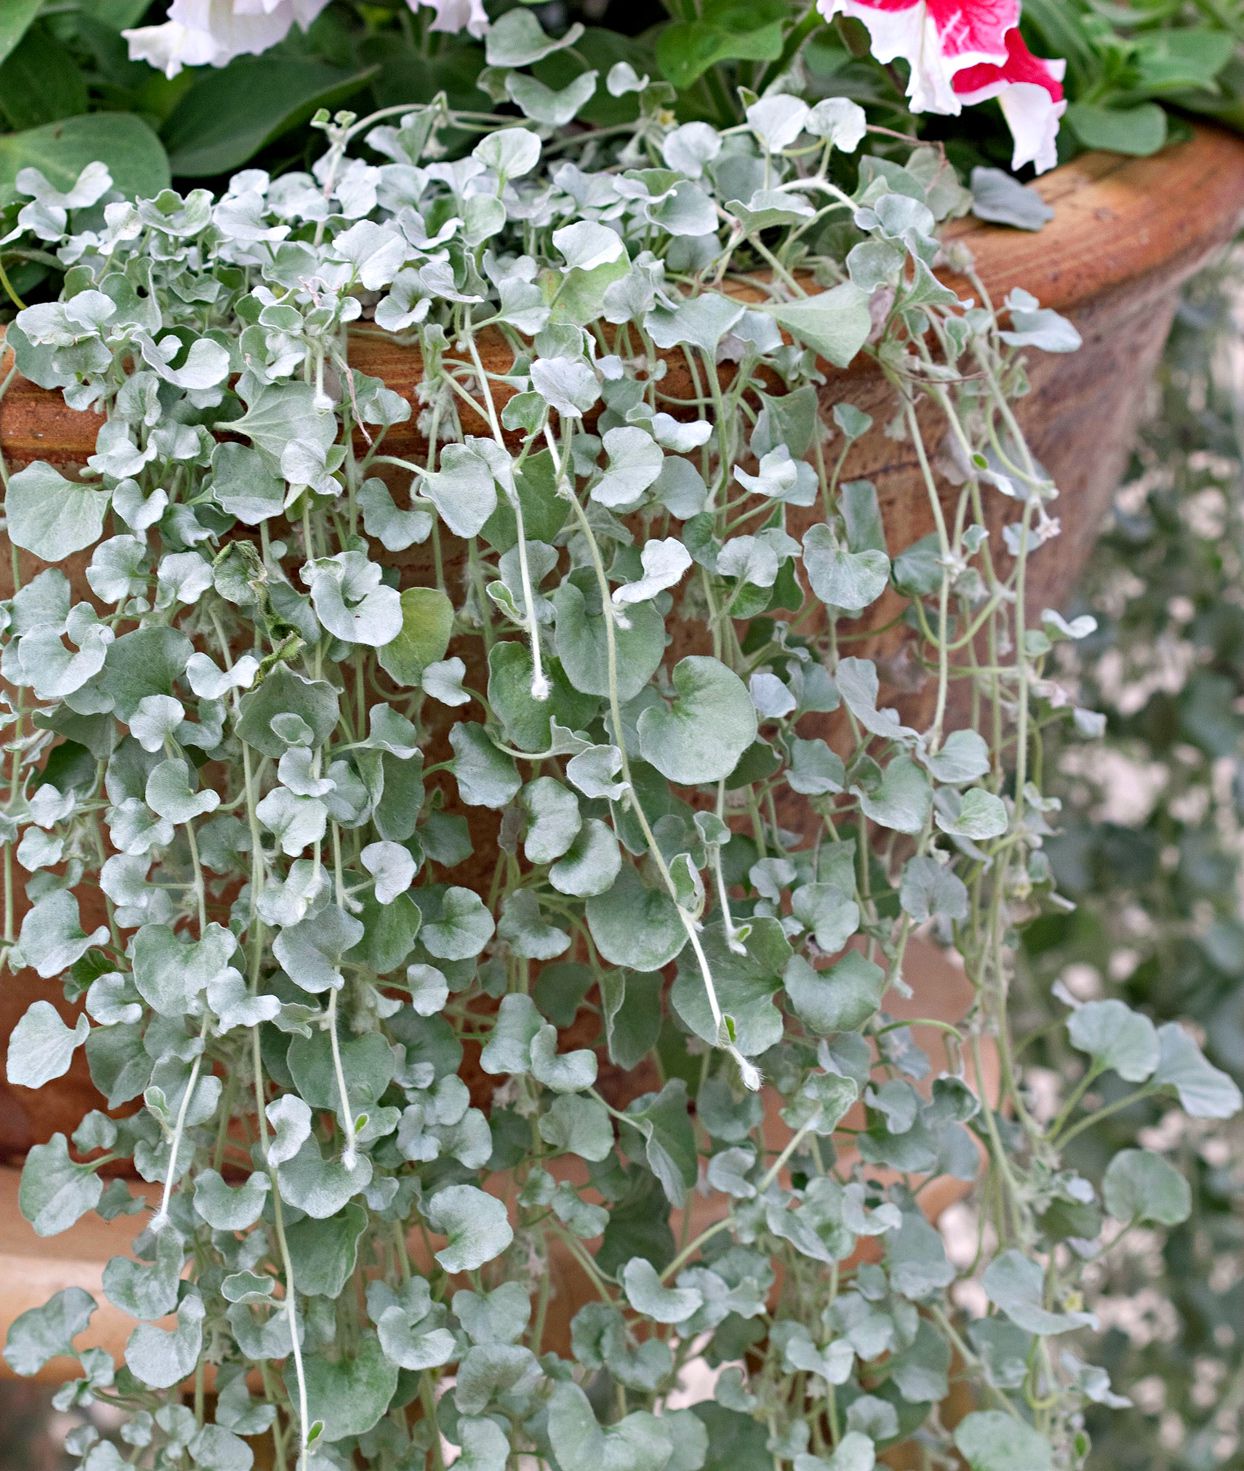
<point>841,123</point>
<point>54,1191</point>
<point>296,822</point>
<point>135,830</point>
<point>233,1005</point>
<point>281,414</point>
<point>53,671</point>
<point>835,324</point>
<point>591,863</point>
<point>526,931</point>
<point>208,681</point>
<point>990,1440</point>
<point>517,1023</point>
<point>980,816</point>
<point>815,770</point>
<point>171,796</point>
<point>902,800</point>
<point>510,152</point>
<point>664,563</point>
<point>587,244</point>
<point>543,105</point>
<point>595,772</point>
<point>1000,198</point>
<point>376,252</point>
<point>858,685</point>
<point>696,321</point>
<point>636,1443</point>
<point>41,1046</point>
<point>291,1119</point>
<point>170,973</point>
<point>781,477</point>
<point>117,569</point>
<point>1203,1090</point>
<point>475,1223</point>
<point>429,990</point>
<point>460,927</point>
<point>963,757</point>
<point>843,579</point>
<point>366,1062</point>
<point>569,1072</point>
<point>918,1264</point>
<point>310,951</point>
<point>566,384</point>
<point>746,983</point>
<point>427,623</point>
<point>772,699</point>
<point>283,692</point>
<point>50,516</point>
<point>648,1296</point>
<point>319,1186</point>
<point>1033,325</point>
<point>553,819</point>
<point>139,512</point>
<point>485,1446</point>
<point>517,39</point>
<point>634,925</point>
<point>1142,1186</point>
<point>245,484</point>
<point>226,1207</point>
<point>326,1252</point>
<point>147,1289</point>
<point>392,867</point>
<point>347,1395</point>
<point>350,600</point>
<point>702,735</point>
<point>777,120</point>
<point>204,365</point>
<point>486,776</point>
<point>395,529</point>
<point>682,437</point>
<point>831,914</point>
<point>182,577</point>
<point>582,642</point>
<point>38,849</point>
<point>1116,1038</point>
<point>44,1333</point>
<point>411,1344</point>
<point>51,937</point>
<point>215,1448</point>
<point>161,1359</point>
<point>579,1126</point>
<point>1016,1284</point>
<point>155,720</point>
<point>930,889</point>
<point>442,680</point>
<point>634,464</point>
<point>462,490</point>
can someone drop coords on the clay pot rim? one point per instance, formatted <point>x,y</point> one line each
<point>1118,223</point>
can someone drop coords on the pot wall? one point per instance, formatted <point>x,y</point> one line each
<point>1125,236</point>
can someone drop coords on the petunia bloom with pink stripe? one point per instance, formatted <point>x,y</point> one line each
<point>964,51</point>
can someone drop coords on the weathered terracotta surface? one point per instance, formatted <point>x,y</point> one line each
<point>1126,234</point>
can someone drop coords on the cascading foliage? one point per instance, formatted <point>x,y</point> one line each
<point>451,921</point>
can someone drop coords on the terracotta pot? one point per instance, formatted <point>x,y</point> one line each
<point>1126,234</point>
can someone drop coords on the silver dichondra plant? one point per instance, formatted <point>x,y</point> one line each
<point>442,807</point>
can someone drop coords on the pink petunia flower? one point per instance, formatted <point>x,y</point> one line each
<point>937,38</point>
<point>1029,90</point>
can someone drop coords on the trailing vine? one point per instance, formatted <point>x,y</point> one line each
<point>487,872</point>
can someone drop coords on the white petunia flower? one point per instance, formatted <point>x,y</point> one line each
<point>213,32</point>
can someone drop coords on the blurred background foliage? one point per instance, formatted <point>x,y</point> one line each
<point>1152,851</point>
